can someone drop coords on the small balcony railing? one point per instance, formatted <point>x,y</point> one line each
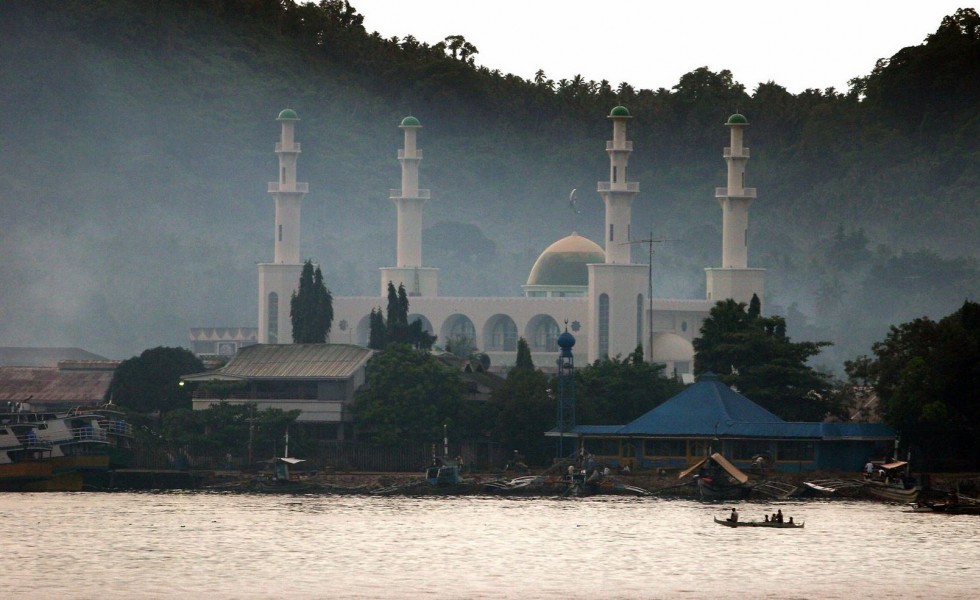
<point>628,186</point>
<point>300,188</point>
<point>627,146</point>
<point>293,148</point>
<point>744,154</point>
<point>401,154</point>
<point>722,192</point>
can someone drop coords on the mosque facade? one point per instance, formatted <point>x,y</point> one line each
<point>593,290</point>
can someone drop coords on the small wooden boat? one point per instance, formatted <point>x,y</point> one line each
<point>770,524</point>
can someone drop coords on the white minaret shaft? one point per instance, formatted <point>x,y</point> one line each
<point>287,193</point>
<point>735,200</point>
<point>618,193</point>
<point>410,199</point>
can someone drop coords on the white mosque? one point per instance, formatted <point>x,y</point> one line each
<point>597,292</point>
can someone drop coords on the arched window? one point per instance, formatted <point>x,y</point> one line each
<point>544,334</point>
<point>603,326</point>
<point>272,329</point>
<point>502,334</point>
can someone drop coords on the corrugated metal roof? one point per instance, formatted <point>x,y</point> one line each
<point>293,361</point>
<point>48,384</point>
<point>17,356</point>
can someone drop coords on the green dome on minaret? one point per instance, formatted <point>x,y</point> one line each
<point>287,114</point>
<point>410,122</point>
<point>737,119</point>
<point>619,111</point>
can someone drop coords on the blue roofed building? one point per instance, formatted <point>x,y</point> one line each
<point>708,416</point>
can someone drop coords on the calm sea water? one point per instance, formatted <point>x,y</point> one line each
<point>197,545</point>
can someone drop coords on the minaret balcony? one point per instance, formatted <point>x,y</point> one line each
<point>627,146</point>
<point>626,186</point>
<point>743,153</point>
<point>421,195</point>
<point>287,149</point>
<point>722,192</point>
<point>299,188</point>
<point>401,154</point>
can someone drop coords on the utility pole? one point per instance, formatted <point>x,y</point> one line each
<point>649,241</point>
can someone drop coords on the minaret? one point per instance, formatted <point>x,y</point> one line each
<point>617,287</point>
<point>618,193</point>
<point>734,279</point>
<point>278,279</point>
<point>409,200</point>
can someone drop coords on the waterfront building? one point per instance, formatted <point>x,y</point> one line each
<point>317,379</point>
<point>709,416</point>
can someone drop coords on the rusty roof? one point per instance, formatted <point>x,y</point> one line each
<point>49,384</point>
<point>292,361</point>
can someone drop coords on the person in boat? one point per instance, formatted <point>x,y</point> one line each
<point>791,521</point>
<point>767,518</point>
<point>734,516</point>
<point>779,515</point>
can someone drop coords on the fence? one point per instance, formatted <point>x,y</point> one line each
<point>341,456</point>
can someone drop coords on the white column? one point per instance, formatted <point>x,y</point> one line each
<point>618,193</point>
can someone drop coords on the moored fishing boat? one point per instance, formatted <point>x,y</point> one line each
<point>891,481</point>
<point>718,479</point>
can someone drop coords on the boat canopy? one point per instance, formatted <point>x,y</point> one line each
<point>730,468</point>
<point>898,464</point>
<point>692,468</point>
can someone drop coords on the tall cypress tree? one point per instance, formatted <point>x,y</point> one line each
<point>379,333</point>
<point>523,361</point>
<point>311,307</point>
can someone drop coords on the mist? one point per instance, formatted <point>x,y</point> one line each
<point>133,180</point>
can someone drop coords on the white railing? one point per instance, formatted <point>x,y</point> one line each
<point>728,153</point>
<point>629,186</point>
<point>89,434</point>
<point>422,195</point>
<point>722,192</point>
<point>628,146</point>
<point>300,188</point>
<point>293,148</point>
<point>401,154</point>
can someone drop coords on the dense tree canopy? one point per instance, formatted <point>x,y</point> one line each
<point>614,391</point>
<point>311,307</point>
<point>754,354</point>
<point>926,375</point>
<point>225,429</point>
<point>395,329</point>
<point>409,396</point>
<point>151,381</point>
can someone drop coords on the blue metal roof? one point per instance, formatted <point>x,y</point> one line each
<point>710,408</point>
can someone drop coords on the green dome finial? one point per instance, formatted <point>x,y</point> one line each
<point>737,119</point>
<point>410,122</point>
<point>287,114</point>
<point>619,111</point>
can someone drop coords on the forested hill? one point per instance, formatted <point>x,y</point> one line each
<point>137,140</point>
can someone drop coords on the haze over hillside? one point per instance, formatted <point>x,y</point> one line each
<point>137,141</point>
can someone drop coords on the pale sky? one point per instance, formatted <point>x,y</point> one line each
<point>650,43</point>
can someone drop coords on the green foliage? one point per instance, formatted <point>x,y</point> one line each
<point>409,396</point>
<point>754,354</point>
<point>224,428</point>
<point>151,381</point>
<point>525,410</point>
<point>524,362</point>
<point>378,337</point>
<point>615,391</point>
<point>396,329</point>
<point>311,307</point>
<point>926,374</point>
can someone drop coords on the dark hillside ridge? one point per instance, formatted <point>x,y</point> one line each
<point>138,139</point>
